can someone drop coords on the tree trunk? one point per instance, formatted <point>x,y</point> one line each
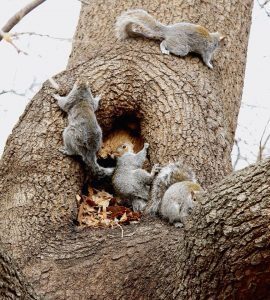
<point>185,111</point>
<point>12,283</point>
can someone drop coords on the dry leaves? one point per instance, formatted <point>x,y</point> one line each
<point>101,209</point>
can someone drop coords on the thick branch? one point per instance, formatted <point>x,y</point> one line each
<point>227,239</point>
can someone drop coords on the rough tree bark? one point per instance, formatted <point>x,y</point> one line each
<point>185,111</point>
<point>12,283</point>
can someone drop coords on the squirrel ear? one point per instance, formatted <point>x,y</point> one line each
<point>222,37</point>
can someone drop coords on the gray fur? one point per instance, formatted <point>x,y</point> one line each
<point>83,135</point>
<point>179,39</point>
<point>168,175</point>
<point>130,181</point>
<point>177,203</point>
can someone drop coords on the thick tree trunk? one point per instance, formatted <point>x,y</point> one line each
<point>185,111</point>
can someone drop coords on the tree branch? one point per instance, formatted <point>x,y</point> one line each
<point>12,92</point>
<point>238,154</point>
<point>22,94</point>
<point>84,2</point>
<point>17,34</point>
<point>262,146</point>
<point>19,15</point>
<point>265,6</point>
<point>7,38</point>
<point>264,3</point>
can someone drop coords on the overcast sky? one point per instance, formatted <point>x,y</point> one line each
<point>47,57</point>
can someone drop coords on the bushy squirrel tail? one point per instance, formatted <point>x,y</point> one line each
<point>150,26</point>
<point>168,175</point>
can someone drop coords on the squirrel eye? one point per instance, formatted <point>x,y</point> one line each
<point>124,146</point>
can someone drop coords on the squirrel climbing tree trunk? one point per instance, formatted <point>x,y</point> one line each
<point>185,111</point>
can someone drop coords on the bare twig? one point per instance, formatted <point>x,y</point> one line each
<point>33,85</point>
<point>122,230</point>
<point>19,15</point>
<point>31,88</point>
<point>264,3</point>
<point>262,146</point>
<point>15,20</point>
<point>84,2</point>
<point>238,154</point>
<point>17,34</point>
<point>265,6</point>
<point>7,38</point>
<point>253,106</point>
<point>12,92</point>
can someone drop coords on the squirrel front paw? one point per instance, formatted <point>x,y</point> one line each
<point>97,98</point>
<point>63,150</point>
<point>146,146</point>
<point>57,97</point>
<point>156,169</point>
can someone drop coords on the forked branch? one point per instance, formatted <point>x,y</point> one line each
<point>15,20</point>
<point>19,15</point>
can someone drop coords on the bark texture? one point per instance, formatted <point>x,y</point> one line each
<point>12,284</point>
<point>185,111</point>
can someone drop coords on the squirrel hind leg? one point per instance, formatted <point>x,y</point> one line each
<point>180,50</point>
<point>66,151</point>
<point>138,205</point>
<point>178,225</point>
<point>70,139</point>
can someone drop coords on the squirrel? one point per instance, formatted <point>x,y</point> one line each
<point>173,189</point>
<point>178,202</point>
<point>129,180</point>
<point>122,149</point>
<point>179,39</point>
<point>173,193</point>
<point>83,135</point>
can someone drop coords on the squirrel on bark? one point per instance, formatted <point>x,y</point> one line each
<point>83,135</point>
<point>129,180</point>
<point>179,39</point>
<point>173,192</point>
